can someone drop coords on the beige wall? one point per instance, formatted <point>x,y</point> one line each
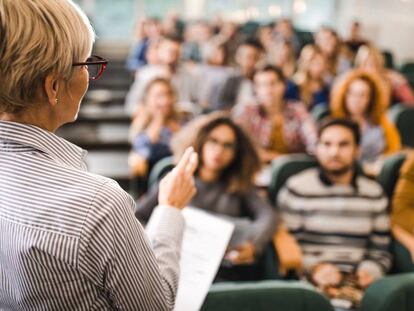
<point>389,23</point>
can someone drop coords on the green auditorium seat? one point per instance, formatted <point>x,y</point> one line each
<point>320,112</point>
<point>388,59</point>
<point>160,169</point>
<point>265,296</point>
<point>285,167</point>
<point>403,118</point>
<point>407,68</point>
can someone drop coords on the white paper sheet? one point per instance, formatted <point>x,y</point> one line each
<point>205,240</point>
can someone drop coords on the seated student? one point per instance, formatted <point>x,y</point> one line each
<point>278,126</point>
<point>283,56</point>
<point>360,95</point>
<point>283,30</point>
<point>224,183</point>
<point>402,211</point>
<point>168,66</point>
<point>212,72</point>
<point>153,127</point>
<point>338,57</point>
<point>237,89</point>
<point>310,76</point>
<point>147,31</point>
<point>371,59</point>
<point>355,40</point>
<point>338,216</point>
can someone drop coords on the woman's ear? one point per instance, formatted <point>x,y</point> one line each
<point>52,89</point>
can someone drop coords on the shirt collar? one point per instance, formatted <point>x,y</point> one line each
<point>327,182</point>
<point>37,138</point>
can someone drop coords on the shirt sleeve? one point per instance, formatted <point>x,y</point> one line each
<point>116,254</point>
<point>291,216</point>
<point>142,145</point>
<point>264,220</point>
<point>378,257</point>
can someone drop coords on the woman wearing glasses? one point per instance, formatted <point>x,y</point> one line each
<point>68,238</point>
<point>224,182</point>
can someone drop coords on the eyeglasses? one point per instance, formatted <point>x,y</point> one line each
<point>228,146</point>
<point>96,66</point>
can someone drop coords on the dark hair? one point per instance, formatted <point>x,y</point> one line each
<point>254,43</point>
<point>344,122</point>
<point>270,68</point>
<point>173,38</point>
<point>238,176</point>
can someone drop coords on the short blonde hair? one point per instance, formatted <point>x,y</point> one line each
<point>38,38</point>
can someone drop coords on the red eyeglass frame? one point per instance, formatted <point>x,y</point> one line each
<point>100,61</point>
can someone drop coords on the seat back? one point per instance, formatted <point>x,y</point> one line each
<point>320,112</point>
<point>390,172</point>
<point>390,293</point>
<point>403,118</point>
<point>263,296</point>
<point>388,59</point>
<point>160,169</point>
<point>285,167</point>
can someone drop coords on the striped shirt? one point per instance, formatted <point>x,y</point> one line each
<point>347,225</point>
<point>69,239</point>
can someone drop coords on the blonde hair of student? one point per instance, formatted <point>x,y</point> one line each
<point>61,36</point>
<point>302,76</point>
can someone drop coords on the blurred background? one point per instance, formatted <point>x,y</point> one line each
<point>125,27</point>
<point>387,22</point>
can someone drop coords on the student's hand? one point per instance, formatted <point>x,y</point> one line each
<point>267,156</point>
<point>242,255</point>
<point>364,278</point>
<point>326,275</point>
<point>177,188</point>
<point>155,127</point>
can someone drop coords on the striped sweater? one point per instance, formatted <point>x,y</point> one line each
<point>347,225</point>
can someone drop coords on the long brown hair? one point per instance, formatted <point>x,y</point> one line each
<point>378,99</point>
<point>238,176</point>
<point>302,77</point>
<point>143,116</point>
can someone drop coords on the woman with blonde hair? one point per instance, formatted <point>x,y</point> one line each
<point>68,238</point>
<point>337,55</point>
<point>371,59</point>
<point>153,127</point>
<point>360,95</point>
<point>310,77</point>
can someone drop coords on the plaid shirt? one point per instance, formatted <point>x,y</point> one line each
<point>296,134</point>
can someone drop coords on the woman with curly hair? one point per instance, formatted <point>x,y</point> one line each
<point>361,96</point>
<point>224,182</point>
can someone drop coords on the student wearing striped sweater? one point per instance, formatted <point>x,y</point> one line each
<point>338,216</point>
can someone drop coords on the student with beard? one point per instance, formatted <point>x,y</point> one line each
<point>338,216</point>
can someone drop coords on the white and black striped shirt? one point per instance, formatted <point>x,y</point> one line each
<point>69,239</point>
<point>347,225</point>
